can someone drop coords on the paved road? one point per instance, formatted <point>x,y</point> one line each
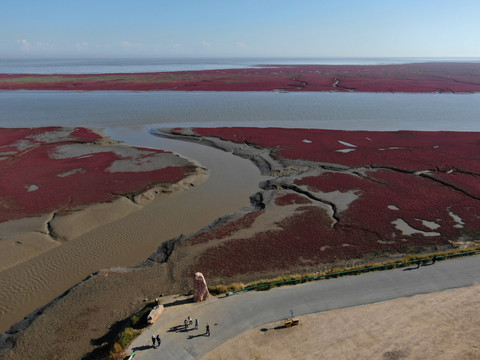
<point>230,316</point>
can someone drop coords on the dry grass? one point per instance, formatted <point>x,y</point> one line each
<point>293,279</point>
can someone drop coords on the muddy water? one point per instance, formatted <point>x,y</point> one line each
<point>131,239</point>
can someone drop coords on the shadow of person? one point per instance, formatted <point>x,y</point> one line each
<point>195,336</point>
<point>177,328</point>
<point>143,347</point>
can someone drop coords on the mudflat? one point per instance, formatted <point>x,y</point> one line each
<point>430,77</point>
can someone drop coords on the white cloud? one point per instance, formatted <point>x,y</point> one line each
<point>241,45</point>
<point>177,46</point>
<point>206,44</point>
<point>128,44</point>
<point>81,45</point>
<point>25,45</point>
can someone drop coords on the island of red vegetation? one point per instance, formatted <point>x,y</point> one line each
<point>351,195</point>
<point>56,169</point>
<point>417,77</point>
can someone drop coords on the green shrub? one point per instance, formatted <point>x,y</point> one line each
<point>127,336</point>
<point>139,320</point>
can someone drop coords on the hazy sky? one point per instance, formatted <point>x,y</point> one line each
<point>264,28</point>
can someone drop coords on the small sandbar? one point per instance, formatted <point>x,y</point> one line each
<point>406,229</point>
<point>458,220</point>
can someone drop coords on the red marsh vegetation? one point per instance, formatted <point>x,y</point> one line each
<point>408,150</point>
<point>44,170</point>
<point>355,195</point>
<point>418,77</point>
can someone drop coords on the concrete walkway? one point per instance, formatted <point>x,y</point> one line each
<point>230,316</point>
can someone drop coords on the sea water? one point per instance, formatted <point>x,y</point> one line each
<point>141,65</point>
<point>347,111</point>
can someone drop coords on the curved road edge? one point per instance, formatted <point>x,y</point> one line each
<point>230,316</point>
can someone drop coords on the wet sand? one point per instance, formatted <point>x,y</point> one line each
<point>133,238</point>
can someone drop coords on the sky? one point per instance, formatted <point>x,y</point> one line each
<point>240,28</point>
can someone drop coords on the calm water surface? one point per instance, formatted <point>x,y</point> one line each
<point>136,65</point>
<point>348,111</point>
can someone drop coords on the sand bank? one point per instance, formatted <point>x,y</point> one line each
<point>441,325</point>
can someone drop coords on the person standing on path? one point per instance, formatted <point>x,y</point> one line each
<point>207,330</point>
<point>159,341</point>
<point>196,324</point>
<point>419,262</point>
<point>153,341</point>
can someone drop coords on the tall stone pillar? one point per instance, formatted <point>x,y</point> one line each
<point>200,290</point>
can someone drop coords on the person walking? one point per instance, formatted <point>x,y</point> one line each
<point>419,262</point>
<point>153,341</point>
<point>207,330</point>
<point>196,324</point>
<point>159,341</point>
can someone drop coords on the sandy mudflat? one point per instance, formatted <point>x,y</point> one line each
<point>442,325</point>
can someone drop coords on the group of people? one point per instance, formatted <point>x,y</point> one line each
<point>156,340</point>
<point>420,261</point>
<point>188,322</point>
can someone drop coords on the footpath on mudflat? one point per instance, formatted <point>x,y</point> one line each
<point>229,316</point>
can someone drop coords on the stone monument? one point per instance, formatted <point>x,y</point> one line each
<point>200,290</point>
